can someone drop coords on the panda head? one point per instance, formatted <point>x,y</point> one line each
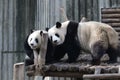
<point>58,32</point>
<point>34,39</point>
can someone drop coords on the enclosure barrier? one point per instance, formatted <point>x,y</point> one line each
<point>98,75</point>
<point>111,16</point>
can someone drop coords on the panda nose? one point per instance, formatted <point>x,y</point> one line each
<point>31,44</point>
<point>55,41</point>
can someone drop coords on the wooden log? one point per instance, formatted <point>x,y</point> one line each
<point>30,67</point>
<point>109,11</point>
<point>102,76</point>
<point>45,68</point>
<point>110,20</point>
<point>110,15</point>
<point>30,70</point>
<point>53,68</point>
<point>117,29</point>
<point>97,74</point>
<point>65,68</point>
<point>30,73</point>
<point>59,68</point>
<point>18,73</point>
<point>64,74</point>
<point>75,69</point>
<point>114,24</point>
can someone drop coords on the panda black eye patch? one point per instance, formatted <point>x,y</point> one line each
<point>30,39</point>
<point>36,40</point>
<point>57,35</point>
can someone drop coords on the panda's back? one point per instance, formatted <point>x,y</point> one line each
<point>87,29</point>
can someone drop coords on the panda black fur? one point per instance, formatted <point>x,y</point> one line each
<point>70,44</point>
<point>94,37</point>
<point>29,58</point>
<point>53,54</point>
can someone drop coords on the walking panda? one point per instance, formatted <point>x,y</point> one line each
<point>94,37</point>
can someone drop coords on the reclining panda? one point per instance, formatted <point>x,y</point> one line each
<point>32,45</point>
<point>94,37</point>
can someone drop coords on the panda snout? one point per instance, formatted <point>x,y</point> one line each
<point>55,41</point>
<point>32,44</point>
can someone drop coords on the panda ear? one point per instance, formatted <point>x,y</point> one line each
<point>41,32</point>
<point>58,24</point>
<point>47,28</point>
<point>32,30</point>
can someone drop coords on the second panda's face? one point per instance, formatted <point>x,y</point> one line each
<point>58,32</point>
<point>34,39</point>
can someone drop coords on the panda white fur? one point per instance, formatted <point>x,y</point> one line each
<point>94,37</point>
<point>32,45</point>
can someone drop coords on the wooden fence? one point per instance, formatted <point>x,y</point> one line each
<point>17,17</point>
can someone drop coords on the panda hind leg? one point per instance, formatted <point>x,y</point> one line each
<point>97,52</point>
<point>113,54</point>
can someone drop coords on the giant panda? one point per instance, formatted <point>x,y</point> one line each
<point>33,43</point>
<point>94,37</point>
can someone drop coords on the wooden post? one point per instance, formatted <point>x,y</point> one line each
<point>63,14</point>
<point>41,56</point>
<point>43,49</point>
<point>18,73</point>
<point>119,69</point>
<point>97,71</point>
<point>83,19</point>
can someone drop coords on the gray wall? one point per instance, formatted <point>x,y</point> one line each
<point>17,17</point>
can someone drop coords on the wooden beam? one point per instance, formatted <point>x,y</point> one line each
<point>110,20</point>
<point>114,24</point>
<point>111,15</point>
<point>83,19</point>
<point>64,74</point>
<point>102,76</point>
<point>64,15</point>
<point>110,10</point>
<point>18,73</point>
<point>97,74</point>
